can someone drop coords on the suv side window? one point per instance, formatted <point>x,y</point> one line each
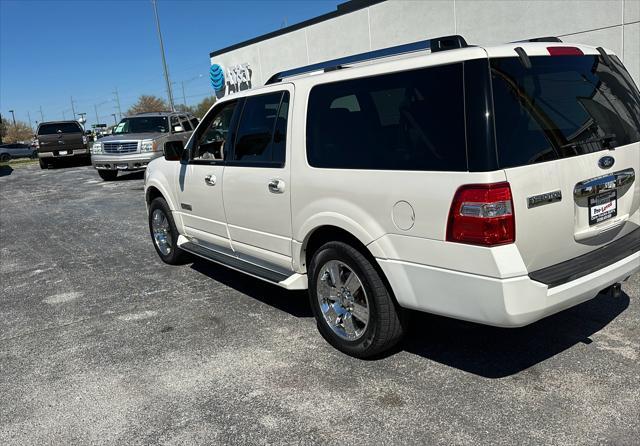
<point>213,138</point>
<point>174,122</point>
<point>262,117</point>
<point>410,120</point>
<point>186,125</point>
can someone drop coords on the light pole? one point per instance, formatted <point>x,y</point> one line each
<point>183,83</point>
<point>29,116</point>
<point>164,60</point>
<point>14,117</point>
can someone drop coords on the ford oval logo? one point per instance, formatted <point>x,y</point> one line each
<point>606,162</point>
<point>216,75</point>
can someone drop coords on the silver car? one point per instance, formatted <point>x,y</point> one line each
<point>16,150</point>
<point>139,139</point>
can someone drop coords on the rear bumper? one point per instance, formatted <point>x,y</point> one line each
<point>511,302</point>
<point>70,153</point>
<point>134,161</point>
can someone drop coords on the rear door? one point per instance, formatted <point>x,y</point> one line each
<point>567,132</point>
<point>257,193</point>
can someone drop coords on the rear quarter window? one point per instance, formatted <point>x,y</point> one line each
<point>62,127</point>
<point>411,120</point>
<point>561,107</point>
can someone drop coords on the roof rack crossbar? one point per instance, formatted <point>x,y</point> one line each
<point>437,44</point>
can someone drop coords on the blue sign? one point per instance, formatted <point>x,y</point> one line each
<point>216,74</point>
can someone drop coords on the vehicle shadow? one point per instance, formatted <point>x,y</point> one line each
<point>137,175</point>
<point>295,303</point>
<point>5,170</point>
<point>490,352</point>
<point>493,352</point>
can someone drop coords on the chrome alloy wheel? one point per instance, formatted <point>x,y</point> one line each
<point>343,300</point>
<point>161,231</point>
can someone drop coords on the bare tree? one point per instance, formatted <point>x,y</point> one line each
<point>18,132</point>
<point>147,103</point>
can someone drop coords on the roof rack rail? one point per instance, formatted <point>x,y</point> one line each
<point>437,44</point>
<point>540,39</point>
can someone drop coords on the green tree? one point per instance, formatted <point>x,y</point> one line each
<point>148,103</point>
<point>203,107</point>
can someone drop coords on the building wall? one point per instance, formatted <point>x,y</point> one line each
<point>613,24</point>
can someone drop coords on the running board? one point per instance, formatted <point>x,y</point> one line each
<point>294,281</point>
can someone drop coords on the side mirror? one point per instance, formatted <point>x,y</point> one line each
<point>178,129</point>
<point>173,150</point>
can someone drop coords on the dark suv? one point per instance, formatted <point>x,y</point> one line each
<point>60,140</point>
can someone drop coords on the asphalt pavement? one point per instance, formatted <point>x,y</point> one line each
<point>102,343</point>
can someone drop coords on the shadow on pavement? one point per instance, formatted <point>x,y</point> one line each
<point>137,175</point>
<point>486,351</point>
<point>296,303</point>
<point>5,170</point>
<point>494,352</point>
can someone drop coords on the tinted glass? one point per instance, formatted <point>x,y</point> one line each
<point>563,106</point>
<point>63,127</point>
<point>185,123</point>
<point>147,124</point>
<point>256,127</point>
<point>211,142</point>
<point>413,120</point>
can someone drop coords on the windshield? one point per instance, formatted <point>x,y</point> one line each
<point>150,124</point>
<point>60,127</point>
<point>562,106</point>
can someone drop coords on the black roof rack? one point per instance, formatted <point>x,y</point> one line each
<point>540,39</point>
<point>437,44</point>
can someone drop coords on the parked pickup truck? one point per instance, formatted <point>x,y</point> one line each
<point>137,140</point>
<point>58,140</point>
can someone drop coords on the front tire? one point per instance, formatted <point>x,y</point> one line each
<point>44,164</point>
<point>108,175</point>
<point>354,310</point>
<point>164,233</point>
<point>5,157</point>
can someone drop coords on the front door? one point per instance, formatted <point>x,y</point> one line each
<point>256,178</point>
<point>201,179</point>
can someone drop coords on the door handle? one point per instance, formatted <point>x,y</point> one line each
<point>210,180</point>
<point>276,186</point>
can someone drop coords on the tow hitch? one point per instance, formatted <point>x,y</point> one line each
<point>615,290</point>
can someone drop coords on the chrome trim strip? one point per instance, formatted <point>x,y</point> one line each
<point>604,183</point>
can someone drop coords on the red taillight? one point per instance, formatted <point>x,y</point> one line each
<point>482,214</point>
<point>564,51</point>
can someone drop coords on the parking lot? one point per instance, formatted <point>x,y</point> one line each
<point>102,343</point>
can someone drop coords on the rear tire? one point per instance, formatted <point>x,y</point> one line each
<point>164,233</point>
<point>342,304</point>
<point>44,164</point>
<point>108,175</point>
<point>5,157</point>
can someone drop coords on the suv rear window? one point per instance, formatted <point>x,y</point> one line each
<point>563,106</point>
<point>63,127</point>
<point>411,120</point>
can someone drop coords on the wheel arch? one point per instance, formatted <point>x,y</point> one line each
<point>155,190</point>
<point>328,233</point>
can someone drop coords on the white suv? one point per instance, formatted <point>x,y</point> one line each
<point>491,184</point>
